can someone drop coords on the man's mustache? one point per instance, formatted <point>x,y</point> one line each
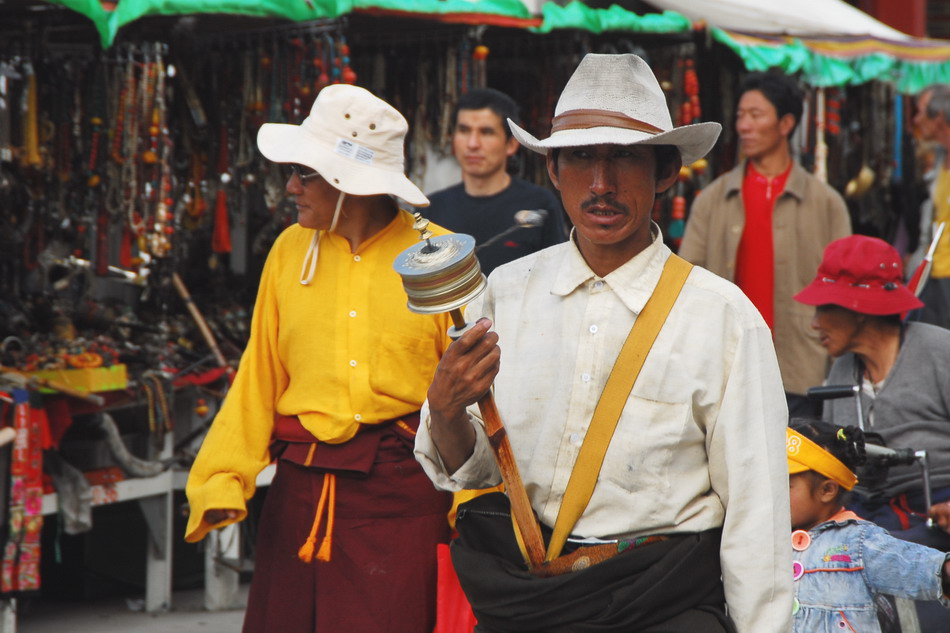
<point>604,201</point>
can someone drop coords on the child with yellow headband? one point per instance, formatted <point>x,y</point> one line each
<point>841,562</point>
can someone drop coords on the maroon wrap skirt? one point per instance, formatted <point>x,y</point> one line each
<point>388,519</point>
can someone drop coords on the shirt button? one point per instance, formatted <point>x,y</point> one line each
<point>352,363</point>
<point>598,284</point>
<point>736,229</point>
<point>356,258</point>
<point>352,313</point>
<point>800,540</point>
<point>357,417</point>
<point>585,377</point>
<point>593,329</point>
<point>576,439</point>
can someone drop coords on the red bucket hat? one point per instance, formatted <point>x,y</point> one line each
<point>863,274</point>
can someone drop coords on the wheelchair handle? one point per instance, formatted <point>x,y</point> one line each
<point>831,392</point>
<point>891,456</point>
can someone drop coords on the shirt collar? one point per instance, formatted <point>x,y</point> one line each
<point>343,244</point>
<point>633,282</point>
<point>795,185</point>
<point>842,517</point>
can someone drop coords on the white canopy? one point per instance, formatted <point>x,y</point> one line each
<point>792,17</point>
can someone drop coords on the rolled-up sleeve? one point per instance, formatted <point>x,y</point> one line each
<point>480,471</point>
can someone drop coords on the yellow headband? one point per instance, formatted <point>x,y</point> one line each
<point>804,455</point>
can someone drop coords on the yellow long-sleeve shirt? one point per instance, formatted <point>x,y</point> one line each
<point>339,352</point>
<point>941,213</point>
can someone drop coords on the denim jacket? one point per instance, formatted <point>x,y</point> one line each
<point>847,562</point>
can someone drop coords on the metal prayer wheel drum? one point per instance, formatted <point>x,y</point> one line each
<point>440,274</point>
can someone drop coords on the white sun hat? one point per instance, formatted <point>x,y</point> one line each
<point>352,138</point>
<point>616,99</point>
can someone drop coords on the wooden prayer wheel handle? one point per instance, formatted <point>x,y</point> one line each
<point>498,440</point>
<point>520,504</point>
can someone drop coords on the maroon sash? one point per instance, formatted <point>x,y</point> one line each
<point>296,444</point>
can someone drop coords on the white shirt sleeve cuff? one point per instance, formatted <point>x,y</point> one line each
<point>479,471</point>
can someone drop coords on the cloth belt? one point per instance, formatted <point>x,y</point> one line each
<point>296,444</point>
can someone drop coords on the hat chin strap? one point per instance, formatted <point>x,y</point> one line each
<point>306,276</point>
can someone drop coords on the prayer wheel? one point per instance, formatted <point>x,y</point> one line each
<point>441,274</point>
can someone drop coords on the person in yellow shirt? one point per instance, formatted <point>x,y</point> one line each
<point>932,122</point>
<point>330,386</point>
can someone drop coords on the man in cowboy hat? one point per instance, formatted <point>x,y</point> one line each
<point>764,226</point>
<point>334,373</point>
<point>696,457</point>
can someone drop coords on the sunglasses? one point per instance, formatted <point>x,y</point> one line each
<point>302,172</point>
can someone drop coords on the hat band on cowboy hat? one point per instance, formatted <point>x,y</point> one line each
<point>586,119</point>
<point>616,100</point>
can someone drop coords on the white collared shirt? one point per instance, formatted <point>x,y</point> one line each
<point>700,444</point>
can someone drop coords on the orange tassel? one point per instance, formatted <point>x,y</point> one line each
<point>327,544</point>
<point>305,553</point>
<point>324,553</point>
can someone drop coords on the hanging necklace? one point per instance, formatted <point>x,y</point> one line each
<point>160,241</point>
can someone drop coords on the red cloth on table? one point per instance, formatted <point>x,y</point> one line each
<point>21,552</point>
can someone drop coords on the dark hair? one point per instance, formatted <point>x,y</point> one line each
<point>495,100</point>
<point>844,442</point>
<point>781,91</point>
<point>879,320</point>
<point>939,104</point>
<point>893,320</point>
<point>667,158</point>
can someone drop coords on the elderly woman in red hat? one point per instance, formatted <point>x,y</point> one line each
<point>903,371</point>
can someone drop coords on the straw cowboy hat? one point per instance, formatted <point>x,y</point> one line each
<point>863,274</point>
<point>615,99</point>
<point>352,138</point>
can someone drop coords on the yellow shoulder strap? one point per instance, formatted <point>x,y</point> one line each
<point>624,374</point>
